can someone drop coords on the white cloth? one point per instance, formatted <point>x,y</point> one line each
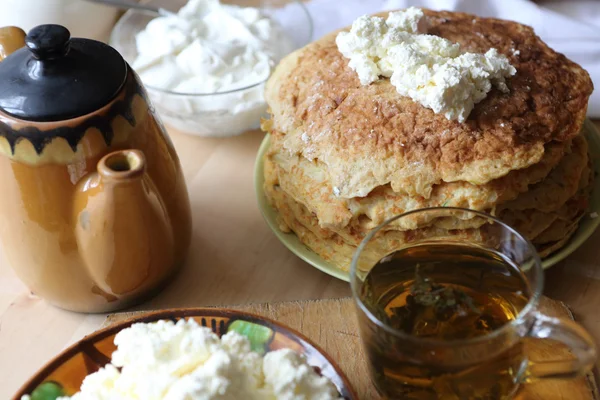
<point>570,27</point>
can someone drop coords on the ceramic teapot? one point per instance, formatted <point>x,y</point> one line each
<point>94,212</point>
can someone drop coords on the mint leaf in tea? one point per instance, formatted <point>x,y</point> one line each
<point>447,293</point>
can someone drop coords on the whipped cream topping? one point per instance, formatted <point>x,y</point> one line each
<point>429,69</point>
<point>185,361</point>
<point>208,47</point>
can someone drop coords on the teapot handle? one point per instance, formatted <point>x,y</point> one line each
<point>12,38</point>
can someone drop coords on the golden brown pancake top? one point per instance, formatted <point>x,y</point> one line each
<point>370,136</point>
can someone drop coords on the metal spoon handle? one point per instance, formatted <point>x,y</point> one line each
<point>126,4</point>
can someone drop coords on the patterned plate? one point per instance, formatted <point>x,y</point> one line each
<point>587,226</point>
<point>63,375</point>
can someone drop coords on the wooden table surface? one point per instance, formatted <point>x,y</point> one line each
<point>234,259</point>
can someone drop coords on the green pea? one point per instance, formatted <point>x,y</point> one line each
<point>47,391</point>
<point>258,335</point>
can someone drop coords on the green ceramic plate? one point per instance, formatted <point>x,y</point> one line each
<point>586,228</point>
<point>63,375</point>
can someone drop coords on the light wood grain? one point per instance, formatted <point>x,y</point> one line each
<point>332,325</point>
<point>234,259</point>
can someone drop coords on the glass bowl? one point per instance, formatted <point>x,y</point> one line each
<point>224,113</point>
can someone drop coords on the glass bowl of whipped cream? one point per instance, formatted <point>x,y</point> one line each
<point>204,63</point>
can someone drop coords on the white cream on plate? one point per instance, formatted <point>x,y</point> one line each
<point>429,69</point>
<point>185,361</point>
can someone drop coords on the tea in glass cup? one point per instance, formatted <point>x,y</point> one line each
<point>443,315</point>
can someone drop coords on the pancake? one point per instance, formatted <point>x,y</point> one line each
<point>557,231</point>
<point>547,249</point>
<point>532,223</point>
<point>292,211</point>
<point>338,249</point>
<point>529,223</point>
<point>370,136</point>
<point>581,200</point>
<point>553,229</point>
<point>333,248</point>
<point>344,157</point>
<point>569,215</point>
<point>560,185</point>
<point>307,181</point>
<point>294,217</point>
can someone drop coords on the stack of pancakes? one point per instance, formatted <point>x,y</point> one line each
<point>345,157</point>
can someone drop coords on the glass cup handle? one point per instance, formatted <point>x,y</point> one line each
<point>574,336</point>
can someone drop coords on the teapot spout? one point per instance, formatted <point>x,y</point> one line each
<point>124,166</point>
<point>11,39</point>
<point>123,231</point>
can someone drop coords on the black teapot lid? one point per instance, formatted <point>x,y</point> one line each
<point>56,77</point>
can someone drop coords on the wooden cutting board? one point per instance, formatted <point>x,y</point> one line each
<point>332,324</point>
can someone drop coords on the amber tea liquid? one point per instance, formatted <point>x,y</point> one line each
<point>448,293</point>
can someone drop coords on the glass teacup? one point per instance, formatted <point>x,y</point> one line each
<point>444,313</point>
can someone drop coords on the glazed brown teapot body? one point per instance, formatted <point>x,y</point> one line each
<point>94,212</point>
